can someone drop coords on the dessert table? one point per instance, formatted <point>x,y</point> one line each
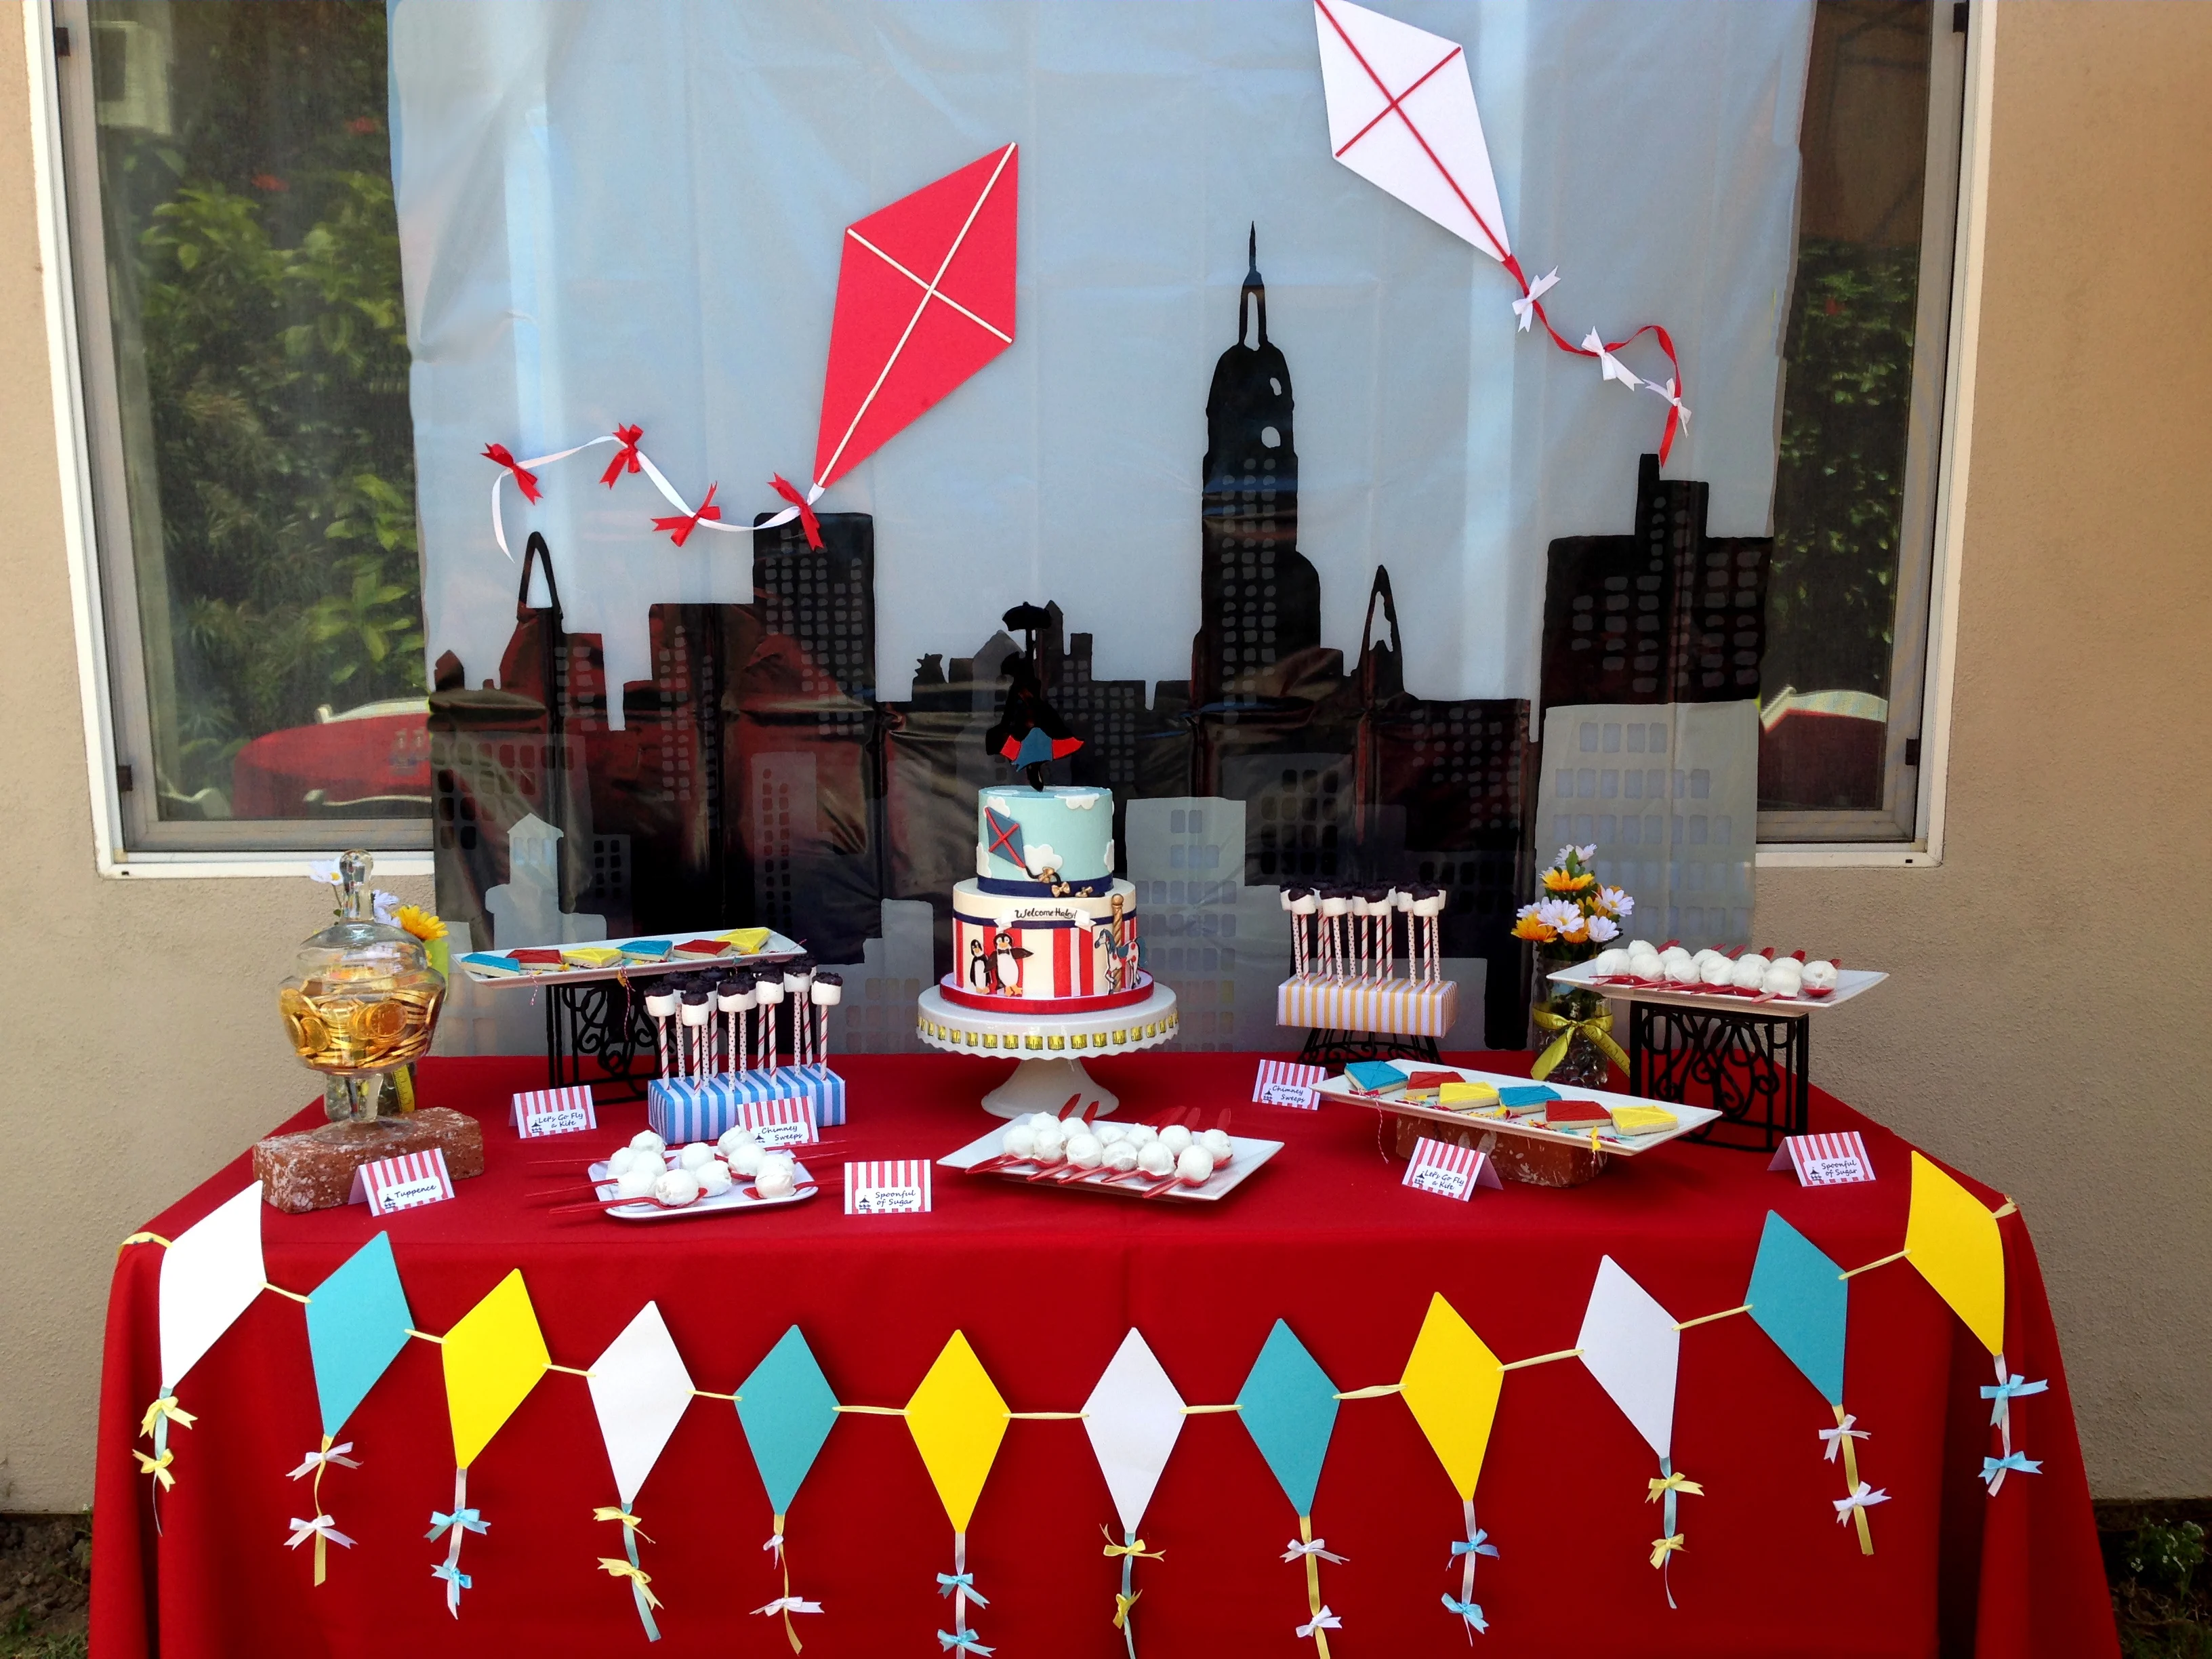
<point>1045,1284</point>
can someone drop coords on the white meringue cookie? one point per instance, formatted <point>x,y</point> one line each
<point>636,1182</point>
<point>713,1178</point>
<point>1194,1164</point>
<point>694,1154</point>
<point>775,1177</point>
<point>1819,975</point>
<point>676,1188</point>
<point>1154,1158</point>
<point>1715,970</point>
<point>1750,973</point>
<point>1122,1156</point>
<point>1176,1139</point>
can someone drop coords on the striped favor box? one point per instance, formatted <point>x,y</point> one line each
<point>1286,1083</point>
<point>679,1110</point>
<point>898,1186</point>
<point>1399,1007</point>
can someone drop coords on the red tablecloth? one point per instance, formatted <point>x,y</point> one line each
<point>1045,1284</point>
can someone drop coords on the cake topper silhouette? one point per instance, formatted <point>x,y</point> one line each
<point>1029,731</point>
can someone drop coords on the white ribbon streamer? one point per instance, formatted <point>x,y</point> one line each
<point>790,1604</point>
<point>1525,306</point>
<point>315,1460</point>
<point>303,1530</point>
<point>668,491</point>
<point>1864,1498</point>
<point>1842,1431</point>
<point>1667,392</point>
<point>1296,1549</point>
<point>1322,1621</point>
<point>776,1543</point>
<point>1610,366</point>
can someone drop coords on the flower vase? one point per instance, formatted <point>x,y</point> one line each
<point>1570,1027</point>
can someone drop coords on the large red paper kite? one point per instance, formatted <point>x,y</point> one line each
<point>925,298</point>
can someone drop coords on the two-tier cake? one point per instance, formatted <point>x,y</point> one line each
<point>1044,926</point>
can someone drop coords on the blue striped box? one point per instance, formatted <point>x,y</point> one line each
<point>679,1110</point>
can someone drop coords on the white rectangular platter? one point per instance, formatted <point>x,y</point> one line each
<point>1850,982</point>
<point>722,1204</point>
<point>1250,1154</point>
<point>1688,1118</point>
<point>776,948</point>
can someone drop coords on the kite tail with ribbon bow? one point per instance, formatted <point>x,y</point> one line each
<point>155,1424</point>
<point>787,1604</point>
<point>1670,1539</point>
<point>1130,1549</point>
<point>316,1462</point>
<point>463,1519</point>
<point>1856,1499</point>
<point>807,520</point>
<point>1531,304</point>
<point>1315,1552</point>
<point>641,1581</point>
<point>960,1585</point>
<point>2009,1386</point>
<point>1466,1551</point>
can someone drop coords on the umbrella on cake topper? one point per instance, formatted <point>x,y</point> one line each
<point>1132,1417</point>
<point>1029,731</point>
<point>1288,1406</point>
<point>357,1324</point>
<point>639,1390</point>
<point>1633,1347</point>
<point>1401,114</point>
<point>925,298</point>
<point>494,1356</point>
<point>786,1410</point>
<point>1799,1297</point>
<point>209,1275</point>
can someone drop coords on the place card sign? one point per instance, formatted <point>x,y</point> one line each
<point>1447,1170</point>
<point>786,1122</point>
<point>1282,1083</point>
<point>1825,1160</point>
<point>898,1186</point>
<point>405,1183</point>
<point>553,1111</point>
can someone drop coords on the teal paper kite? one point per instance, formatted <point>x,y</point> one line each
<point>787,1412</point>
<point>1800,1298</point>
<point>1288,1405</point>
<point>357,1323</point>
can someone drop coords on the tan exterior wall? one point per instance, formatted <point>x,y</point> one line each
<point>2020,1037</point>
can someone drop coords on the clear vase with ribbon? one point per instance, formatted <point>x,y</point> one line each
<point>1570,1027</point>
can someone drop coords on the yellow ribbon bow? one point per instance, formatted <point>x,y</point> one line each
<point>1598,1027</point>
<point>165,1406</point>
<point>639,1576</point>
<point>1121,1606</point>
<point>156,1467</point>
<point>1675,1482</point>
<point>609,1512</point>
<point>1137,1549</point>
<point>1663,1548</point>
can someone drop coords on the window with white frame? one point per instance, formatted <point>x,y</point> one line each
<point>244,360</point>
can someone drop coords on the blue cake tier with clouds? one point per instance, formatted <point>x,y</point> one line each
<point>1067,829</point>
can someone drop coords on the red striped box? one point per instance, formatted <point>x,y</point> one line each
<point>405,1183</point>
<point>1447,1171</point>
<point>553,1111</point>
<point>1284,1083</point>
<point>786,1122</point>
<point>1825,1160</point>
<point>899,1187</point>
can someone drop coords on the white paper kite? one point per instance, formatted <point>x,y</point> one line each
<point>638,1388</point>
<point>209,1277</point>
<point>1133,1418</point>
<point>1631,1348</point>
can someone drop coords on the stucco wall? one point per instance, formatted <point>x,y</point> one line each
<point>139,1020</point>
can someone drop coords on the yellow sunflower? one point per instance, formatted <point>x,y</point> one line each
<point>421,923</point>
<point>1558,881</point>
<point>1530,928</point>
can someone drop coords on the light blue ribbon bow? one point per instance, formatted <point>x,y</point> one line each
<point>949,1581</point>
<point>2006,1392</point>
<point>1468,1611</point>
<point>467,1520</point>
<point>1477,1545</point>
<point>964,1641</point>
<point>1993,1468</point>
<point>453,1575</point>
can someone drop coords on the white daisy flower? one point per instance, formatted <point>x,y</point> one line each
<point>1602,928</point>
<point>1616,902</point>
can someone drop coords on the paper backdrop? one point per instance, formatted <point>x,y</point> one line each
<point>630,212</point>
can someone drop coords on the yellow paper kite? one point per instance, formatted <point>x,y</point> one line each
<point>494,1358</point>
<point>1953,1239</point>
<point>1451,1384</point>
<point>957,1419</point>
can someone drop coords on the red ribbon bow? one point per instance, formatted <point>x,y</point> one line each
<point>525,478</point>
<point>681,527</point>
<point>807,521</point>
<point>625,458</point>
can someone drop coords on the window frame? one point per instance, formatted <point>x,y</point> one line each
<point>131,839</point>
<point>126,845</point>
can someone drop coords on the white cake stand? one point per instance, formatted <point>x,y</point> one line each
<point>1051,1048</point>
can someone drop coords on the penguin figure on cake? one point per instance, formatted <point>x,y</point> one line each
<point>1029,731</point>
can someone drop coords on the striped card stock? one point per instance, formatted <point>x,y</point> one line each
<point>405,1183</point>
<point>553,1111</point>
<point>679,1110</point>
<point>1399,1007</point>
<point>1825,1160</point>
<point>1284,1083</point>
<point>787,1123</point>
<point>1448,1171</point>
<point>899,1187</point>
